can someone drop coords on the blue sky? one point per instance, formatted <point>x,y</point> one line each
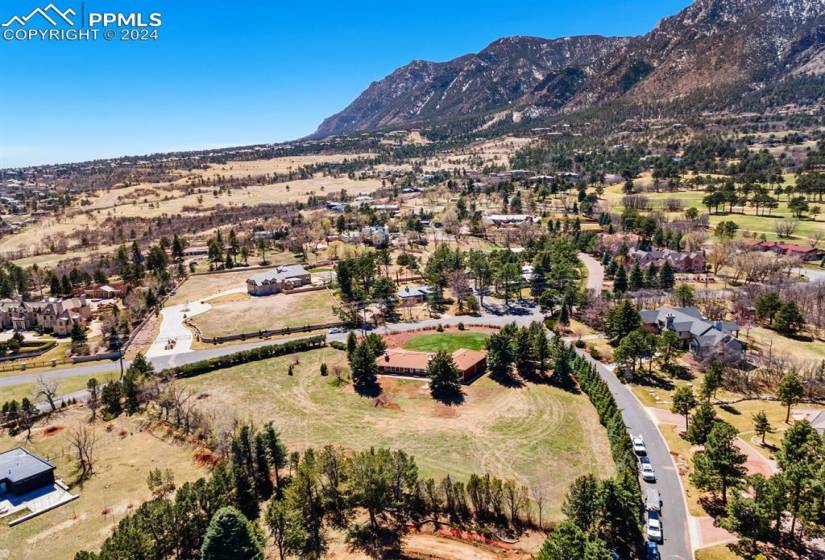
<point>238,72</point>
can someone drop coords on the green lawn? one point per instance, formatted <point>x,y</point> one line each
<point>64,386</point>
<point>449,342</point>
<point>536,434</point>
<point>748,221</point>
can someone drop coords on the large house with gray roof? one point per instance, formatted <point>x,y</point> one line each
<point>21,471</point>
<point>700,335</point>
<point>286,277</point>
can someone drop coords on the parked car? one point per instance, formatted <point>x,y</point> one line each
<point>654,527</point>
<point>337,330</point>
<point>648,474</point>
<point>652,550</point>
<point>639,445</point>
<point>653,500</point>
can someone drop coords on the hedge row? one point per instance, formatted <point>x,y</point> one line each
<point>621,447</point>
<point>246,356</point>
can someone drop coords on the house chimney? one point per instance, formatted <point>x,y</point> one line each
<point>669,321</point>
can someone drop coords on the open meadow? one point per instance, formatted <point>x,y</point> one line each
<point>263,313</point>
<point>533,434</point>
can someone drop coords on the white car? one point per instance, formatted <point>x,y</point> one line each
<point>654,527</point>
<point>639,446</point>
<point>648,474</point>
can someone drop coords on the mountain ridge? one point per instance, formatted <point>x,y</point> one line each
<point>739,45</point>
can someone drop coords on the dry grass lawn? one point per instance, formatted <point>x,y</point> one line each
<point>267,313</point>
<point>126,451</point>
<point>533,434</point>
<point>203,286</point>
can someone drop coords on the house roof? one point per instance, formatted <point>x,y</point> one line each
<point>279,274</point>
<point>19,464</point>
<point>689,319</point>
<point>415,291</point>
<point>409,359</point>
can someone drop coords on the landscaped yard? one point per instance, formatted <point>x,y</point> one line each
<point>449,342</point>
<point>277,311</point>
<point>534,434</point>
<point>126,450</point>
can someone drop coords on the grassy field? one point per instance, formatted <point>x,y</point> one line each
<point>65,386</point>
<point>533,434</point>
<point>747,221</point>
<point>449,342</point>
<point>202,286</point>
<point>267,313</point>
<point>126,450</point>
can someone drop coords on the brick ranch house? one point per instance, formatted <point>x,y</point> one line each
<point>397,361</point>
<point>805,252</point>
<point>287,277</point>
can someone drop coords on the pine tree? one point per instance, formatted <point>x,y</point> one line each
<point>666,276</point>
<point>445,379</point>
<point>231,536</point>
<point>761,425</point>
<point>789,392</point>
<point>703,421</point>
<point>683,402</point>
<point>364,370</point>
<point>636,281</point>
<point>620,281</point>
<point>720,465</point>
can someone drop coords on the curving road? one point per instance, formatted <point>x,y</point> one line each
<point>675,521</point>
<point>595,272</point>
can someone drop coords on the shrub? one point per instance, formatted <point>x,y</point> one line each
<point>439,328</point>
<point>461,326</point>
<point>338,345</point>
<point>580,344</point>
<point>595,354</point>
<point>246,356</point>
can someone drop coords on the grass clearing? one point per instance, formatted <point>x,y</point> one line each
<point>127,448</point>
<point>65,386</point>
<point>267,313</point>
<point>532,434</point>
<point>719,552</point>
<point>449,342</point>
<point>201,286</point>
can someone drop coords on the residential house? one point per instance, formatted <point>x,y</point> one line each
<point>287,277</point>
<point>511,219</point>
<point>693,261</point>
<point>397,361</point>
<point>21,472</point>
<point>699,334</point>
<point>53,315</point>
<point>414,295</point>
<point>805,252</point>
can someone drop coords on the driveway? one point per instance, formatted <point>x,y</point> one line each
<point>174,336</point>
<point>595,272</point>
<point>677,543</point>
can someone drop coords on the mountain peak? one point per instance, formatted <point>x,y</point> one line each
<point>734,45</point>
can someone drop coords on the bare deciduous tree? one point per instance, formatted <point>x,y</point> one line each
<point>47,388</point>
<point>84,442</point>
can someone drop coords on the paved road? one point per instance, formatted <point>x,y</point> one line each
<point>676,545</point>
<point>595,272</point>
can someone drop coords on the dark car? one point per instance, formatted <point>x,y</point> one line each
<point>652,550</point>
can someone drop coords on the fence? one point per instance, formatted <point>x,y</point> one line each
<point>263,334</point>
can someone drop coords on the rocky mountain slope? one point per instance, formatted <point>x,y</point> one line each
<point>735,46</point>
